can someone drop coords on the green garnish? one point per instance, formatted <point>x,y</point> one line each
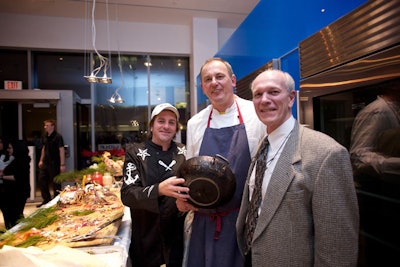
<point>7,236</point>
<point>39,220</point>
<point>82,212</point>
<point>30,241</point>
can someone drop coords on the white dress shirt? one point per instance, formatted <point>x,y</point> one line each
<point>277,140</point>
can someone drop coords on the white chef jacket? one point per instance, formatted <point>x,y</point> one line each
<point>196,126</point>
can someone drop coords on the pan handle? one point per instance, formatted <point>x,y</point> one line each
<point>221,158</point>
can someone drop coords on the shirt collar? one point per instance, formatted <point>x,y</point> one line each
<point>158,147</point>
<point>230,109</point>
<point>276,137</point>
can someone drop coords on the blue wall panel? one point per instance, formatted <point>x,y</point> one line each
<point>275,27</point>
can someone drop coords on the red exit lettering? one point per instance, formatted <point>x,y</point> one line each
<point>12,85</point>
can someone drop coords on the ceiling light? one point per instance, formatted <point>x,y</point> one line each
<point>92,78</point>
<point>119,99</point>
<point>116,98</point>
<point>105,79</point>
<point>103,61</point>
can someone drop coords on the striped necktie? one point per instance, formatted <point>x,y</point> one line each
<point>256,197</point>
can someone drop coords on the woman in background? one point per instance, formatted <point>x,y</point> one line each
<point>16,187</point>
<point>5,158</point>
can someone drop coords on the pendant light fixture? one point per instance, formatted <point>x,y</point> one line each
<point>116,97</point>
<point>104,64</point>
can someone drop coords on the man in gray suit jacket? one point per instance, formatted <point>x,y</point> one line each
<point>308,214</point>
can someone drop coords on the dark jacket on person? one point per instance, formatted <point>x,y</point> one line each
<point>157,225</point>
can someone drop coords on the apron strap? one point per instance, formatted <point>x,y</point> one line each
<point>239,115</point>
<point>218,219</point>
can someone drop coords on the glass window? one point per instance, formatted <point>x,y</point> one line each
<point>128,121</point>
<point>60,71</point>
<point>14,67</point>
<point>115,123</point>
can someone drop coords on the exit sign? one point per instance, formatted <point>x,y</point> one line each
<point>12,85</point>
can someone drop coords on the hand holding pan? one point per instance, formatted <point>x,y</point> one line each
<point>210,180</point>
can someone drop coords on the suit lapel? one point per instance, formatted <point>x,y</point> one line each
<point>280,181</point>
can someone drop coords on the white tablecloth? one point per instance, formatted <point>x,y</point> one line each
<point>115,255</point>
<point>122,243</point>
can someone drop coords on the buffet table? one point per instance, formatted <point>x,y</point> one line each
<point>114,255</point>
<point>117,254</point>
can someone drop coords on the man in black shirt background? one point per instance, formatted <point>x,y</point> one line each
<point>52,160</point>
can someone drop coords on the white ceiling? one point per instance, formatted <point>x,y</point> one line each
<point>230,13</point>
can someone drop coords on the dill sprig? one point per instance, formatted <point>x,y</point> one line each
<point>39,220</point>
<point>30,241</point>
<point>6,238</point>
<point>82,212</point>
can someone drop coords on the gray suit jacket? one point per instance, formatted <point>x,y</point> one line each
<point>309,215</point>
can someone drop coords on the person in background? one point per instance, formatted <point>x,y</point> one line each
<point>2,150</point>
<point>229,127</point>
<point>374,149</point>
<point>3,154</point>
<point>51,162</point>
<point>149,189</point>
<point>4,160</point>
<point>5,157</point>
<point>16,187</point>
<point>307,212</point>
<point>375,155</point>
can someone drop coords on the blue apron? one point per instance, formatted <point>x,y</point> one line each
<point>213,240</point>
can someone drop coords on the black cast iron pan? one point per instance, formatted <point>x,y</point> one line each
<point>210,180</point>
